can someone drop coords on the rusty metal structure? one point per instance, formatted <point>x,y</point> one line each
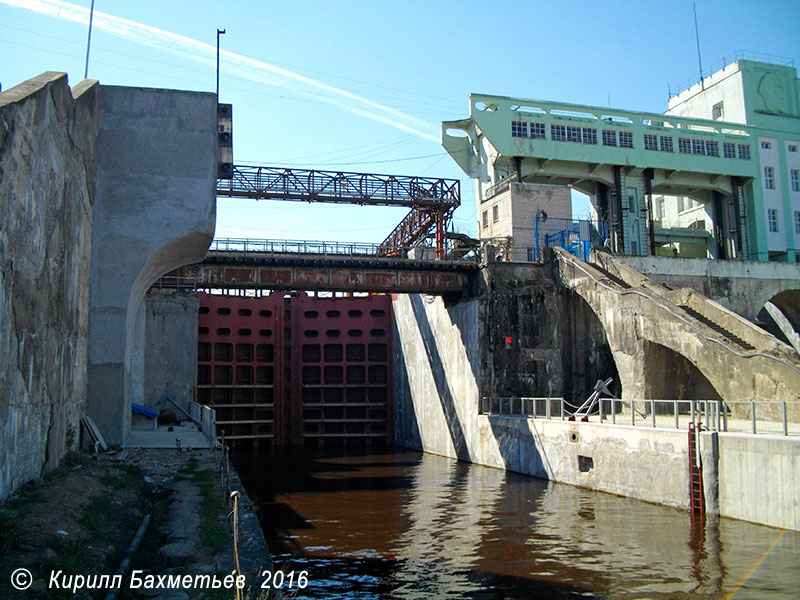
<point>295,369</point>
<point>432,199</point>
<point>320,266</point>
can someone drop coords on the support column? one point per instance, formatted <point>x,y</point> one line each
<point>617,226</point>
<point>154,211</point>
<point>648,191</point>
<point>720,226</point>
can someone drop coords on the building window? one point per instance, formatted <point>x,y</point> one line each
<point>650,141</point>
<point>573,134</point>
<point>531,254</point>
<point>769,178</point>
<point>698,147</point>
<point>666,144</point>
<point>537,131</point>
<point>681,201</point>
<point>589,135</point>
<point>797,221</point>
<point>729,150</point>
<point>662,207</point>
<point>684,145</point>
<point>485,219</point>
<point>792,147</point>
<point>712,148</point>
<point>495,213</point>
<point>795,177</point>
<point>625,139</point>
<point>717,111</point>
<point>766,145</point>
<point>772,219</point>
<point>609,138</point>
<point>558,133</point>
<point>744,151</point>
<point>519,129</point>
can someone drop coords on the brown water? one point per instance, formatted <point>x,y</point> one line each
<point>403,524</point>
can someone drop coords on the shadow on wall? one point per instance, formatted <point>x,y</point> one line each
<point>672,376</point>
<point>454,425</point>
<point>406,432</point>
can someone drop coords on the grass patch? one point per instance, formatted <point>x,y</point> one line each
<point>213,536</point>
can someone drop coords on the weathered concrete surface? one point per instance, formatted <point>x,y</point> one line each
<point>47,149</point>
<point>154,212</point>
<point>617,459</point>
<point>646,323</point>
<point>741,286</point>
<point>558,346</point>
<point>170,349</point>
<point>447,357</point>
<point>758,478</point>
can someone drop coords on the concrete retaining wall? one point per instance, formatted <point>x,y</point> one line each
<point>440,362</point>
<point>758,479</point>
<point>47,145</point>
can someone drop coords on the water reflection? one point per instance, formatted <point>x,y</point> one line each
<point>407,525</point>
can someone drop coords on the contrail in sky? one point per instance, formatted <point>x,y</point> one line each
<point>234,64</point>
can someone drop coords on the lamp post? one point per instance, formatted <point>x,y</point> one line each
<point>219,33</point>
<point>89,41</point>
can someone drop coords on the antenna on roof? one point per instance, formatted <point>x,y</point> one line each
<point>697,38</point>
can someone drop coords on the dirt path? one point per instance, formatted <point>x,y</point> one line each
<point>80,520</point>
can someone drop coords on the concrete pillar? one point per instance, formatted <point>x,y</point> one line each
<point>170,351</point>
<point>154,211</point>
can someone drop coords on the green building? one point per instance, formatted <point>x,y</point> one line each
<point>726,148</point>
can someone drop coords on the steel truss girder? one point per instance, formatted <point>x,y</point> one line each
<point>311,185</point>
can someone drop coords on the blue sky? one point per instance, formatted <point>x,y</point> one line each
<point>363,85</point>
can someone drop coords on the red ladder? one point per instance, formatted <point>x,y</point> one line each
<point>696,496</point>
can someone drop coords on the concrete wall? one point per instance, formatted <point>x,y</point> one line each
<point>758,478</point>
<point>446,357</point>
<point>558,346</point>
<point>154,212</point>
<point>47,144</point>
<point>170,349</point>
<point>741,286</point>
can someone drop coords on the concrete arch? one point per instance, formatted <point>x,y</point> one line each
<point>677,378</point>
<point>739,360</point>
<point>593,357</point>
<point>781,316</point>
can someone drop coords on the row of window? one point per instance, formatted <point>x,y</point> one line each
<point>769,178</point>
<point>772,221</point>
<point>624,139</point>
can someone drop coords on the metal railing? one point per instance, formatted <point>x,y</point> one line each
<point>294,247</point>
<point>724,62</point>
<point>207,417</point>
<point>311,185</point>
<point>754,417</point>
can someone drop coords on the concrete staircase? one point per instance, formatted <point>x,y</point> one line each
<point>741,361</point>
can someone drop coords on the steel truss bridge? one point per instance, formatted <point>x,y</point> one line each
<point>320,266</point>
<point>432,200</point>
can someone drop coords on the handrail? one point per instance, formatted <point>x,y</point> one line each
<point>746,416</point>
<point>293,246</point>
